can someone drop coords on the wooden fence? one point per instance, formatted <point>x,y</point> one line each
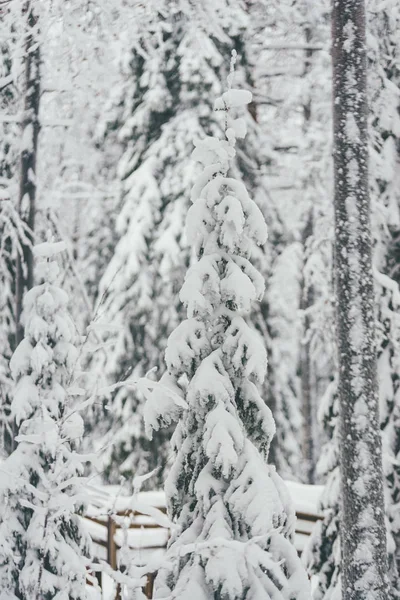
<point>107,537</point>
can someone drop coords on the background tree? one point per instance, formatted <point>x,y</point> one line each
<point>324,553</point>
<point>12,230</point>
<point>384,91</point>
<point>29,145</point>
<point>291,74</point>
<point>233,521</point>
<point>43,543</point>
<point>158,105</point>
<point>282,331</point>
<point>363,539</point>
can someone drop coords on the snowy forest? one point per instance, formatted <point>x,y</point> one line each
<point>199,299</point>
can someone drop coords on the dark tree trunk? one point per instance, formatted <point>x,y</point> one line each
<point>363,535</point>
<point>306,373</point>
<point>29,136</point>
<point>307,300</point>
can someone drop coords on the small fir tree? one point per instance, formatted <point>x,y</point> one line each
<point>169,78</point>
<point>42,543</point>
<point>233,517</point>
<point>156,116</point>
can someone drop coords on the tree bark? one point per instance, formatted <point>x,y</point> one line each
<point>29,136</point>
<point>363,535</point>
<point>306,373</point>
<point>307,300</point>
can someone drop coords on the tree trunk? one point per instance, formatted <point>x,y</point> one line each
<point>307,300</point>
<point>363,535</point>
<point>306,373</point>
<point>29,137</point>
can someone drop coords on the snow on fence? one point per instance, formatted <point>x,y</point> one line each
<point>148,536</point>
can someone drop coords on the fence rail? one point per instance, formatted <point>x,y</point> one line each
<point>108,539</point>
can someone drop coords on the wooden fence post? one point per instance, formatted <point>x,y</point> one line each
<point>111,547</point>
<point>148,590</point>
<point>112,550</point>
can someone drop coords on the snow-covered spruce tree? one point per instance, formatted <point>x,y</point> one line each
<point>42,543</point>
<point>233,517</point>
<point>156,117</point>
<point>169,79</point>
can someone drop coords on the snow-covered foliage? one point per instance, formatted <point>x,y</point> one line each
<point>9,235</point>
<point>8,104</point>
<point>157,120</point>
<point>233,519</point>
<point>163,103</point>
<point>283,322</point>
<point>11,230</point>
<point>322,555</point>
<point>42,542</point>
<point>170,53</point>
<point>292,92</point>
<point>114,182</point>
<point>314,198</point>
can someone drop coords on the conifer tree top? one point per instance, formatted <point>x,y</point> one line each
<point>233,516</point>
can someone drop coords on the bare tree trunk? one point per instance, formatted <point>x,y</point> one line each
<point>306,373</point>
<point>307,299</point>
<point>363,535</point>
<point>29,135</point>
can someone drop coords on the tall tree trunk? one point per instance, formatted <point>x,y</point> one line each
<point>363,535</point>
<point>307,299</point>
<point>29,136</point>
<point>306,372</point>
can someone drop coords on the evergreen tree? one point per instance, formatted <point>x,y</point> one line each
<point>233,519</point>
<point>163,103</point>
<point>292,90</point>
<point>8,98</point>
<point>28,156</point>
<point>42,543</point>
